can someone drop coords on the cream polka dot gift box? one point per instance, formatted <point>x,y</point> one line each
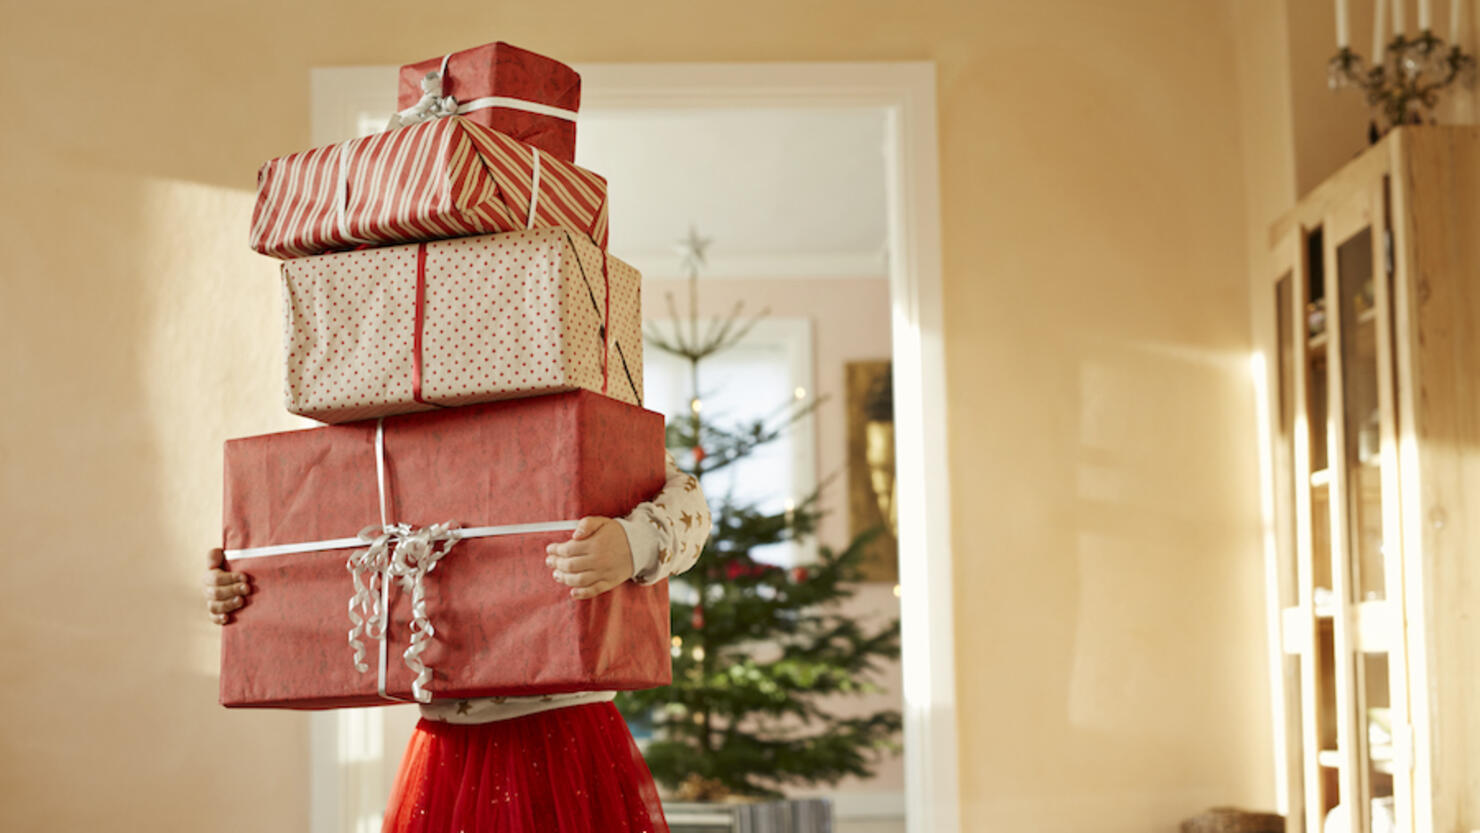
<point>400,329</point>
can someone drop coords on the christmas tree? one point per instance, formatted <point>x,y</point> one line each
<point>757,650</point>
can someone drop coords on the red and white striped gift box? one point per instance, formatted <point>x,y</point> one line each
<point>435,180</point>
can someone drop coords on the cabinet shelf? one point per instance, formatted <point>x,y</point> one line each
<point>1376,626</point>
<point>1317,343</point>
<point>1382,759</point>
<point>1321,478</point>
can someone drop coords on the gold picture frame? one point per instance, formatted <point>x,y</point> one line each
<point>871,490</point>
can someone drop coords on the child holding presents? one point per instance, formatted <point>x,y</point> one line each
<point>562,763</point>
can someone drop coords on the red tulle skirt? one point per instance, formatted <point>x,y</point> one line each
<point>570,770</point>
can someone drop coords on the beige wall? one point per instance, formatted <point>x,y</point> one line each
<point>1111,671</point>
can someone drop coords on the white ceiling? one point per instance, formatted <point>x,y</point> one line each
<point>781,192</point>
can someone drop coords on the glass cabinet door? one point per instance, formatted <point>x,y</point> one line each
<point>1307,336</point>
<point>1295,621</point>
<point>1365,590</point>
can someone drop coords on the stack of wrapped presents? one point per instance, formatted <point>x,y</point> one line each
<point>451,311</point>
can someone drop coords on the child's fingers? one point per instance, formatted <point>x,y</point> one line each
<point>573,563</point>
<point>221,593</point>
<point>582,579</point>
<point>221,618</point>
<point>593,590</point>
<point>215,578</point>
<point>587,527</point>
<point>570,548</point>
<point>227,606</point>
<point>215,559</point>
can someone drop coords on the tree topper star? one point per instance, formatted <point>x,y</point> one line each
<point>692,249</point>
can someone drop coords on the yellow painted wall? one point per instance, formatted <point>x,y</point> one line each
<point>1108,597</point>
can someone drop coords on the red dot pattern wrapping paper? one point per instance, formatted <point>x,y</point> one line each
<point>504,316</point>
<point>504,627</point>
<point>505,71</point>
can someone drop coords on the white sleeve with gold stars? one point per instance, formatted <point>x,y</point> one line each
<point>667,533</point>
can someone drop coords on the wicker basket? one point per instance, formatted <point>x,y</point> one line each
<point>1231,820</point>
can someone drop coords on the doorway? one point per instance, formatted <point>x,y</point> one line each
<point>352,101</point>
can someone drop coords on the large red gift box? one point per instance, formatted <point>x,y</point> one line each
<point>447,177</point>
<point>517,92</point>
<point>502,625</point>
<point>400,329</point>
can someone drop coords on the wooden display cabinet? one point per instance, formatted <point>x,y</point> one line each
<point>1373,383</point>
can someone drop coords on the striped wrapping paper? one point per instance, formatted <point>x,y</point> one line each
<point>435,180</point>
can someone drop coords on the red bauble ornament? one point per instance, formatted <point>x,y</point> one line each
<point>699,454</point>
<point>697,620</point>
<point>799,574</point>
<point>735,570</point>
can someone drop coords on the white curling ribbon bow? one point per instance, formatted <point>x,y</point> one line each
<point>397,554</point>
<point>366,567</point>
<point>433,105</point>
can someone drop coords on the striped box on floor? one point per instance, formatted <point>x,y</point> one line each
<point>802,815</point>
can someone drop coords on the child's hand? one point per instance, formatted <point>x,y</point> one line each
<point>597,558</point>
<point>225,591</point>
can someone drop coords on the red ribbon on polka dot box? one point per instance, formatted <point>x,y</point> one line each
<point>438,179</point>
<point>400,329</point>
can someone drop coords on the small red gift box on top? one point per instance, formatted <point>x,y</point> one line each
<point>514,91</point>
<point>499,623</point>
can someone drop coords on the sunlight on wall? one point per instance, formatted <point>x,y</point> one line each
<point>360,738</point>
<point>1143,642</point>
<point>1259,377</point>
<point>210,364</point>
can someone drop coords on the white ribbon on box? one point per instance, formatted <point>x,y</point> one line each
<point>397,554</point>
<point>435,105</point>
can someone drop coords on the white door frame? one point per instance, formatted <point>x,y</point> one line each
<point>906,92</point>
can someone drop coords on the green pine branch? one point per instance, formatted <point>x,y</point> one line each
<point>760,653</point>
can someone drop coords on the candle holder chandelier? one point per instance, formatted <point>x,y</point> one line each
<point>1403,85</point>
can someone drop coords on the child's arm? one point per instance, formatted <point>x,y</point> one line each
<point>667,534</point>
<point>658,539</point>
